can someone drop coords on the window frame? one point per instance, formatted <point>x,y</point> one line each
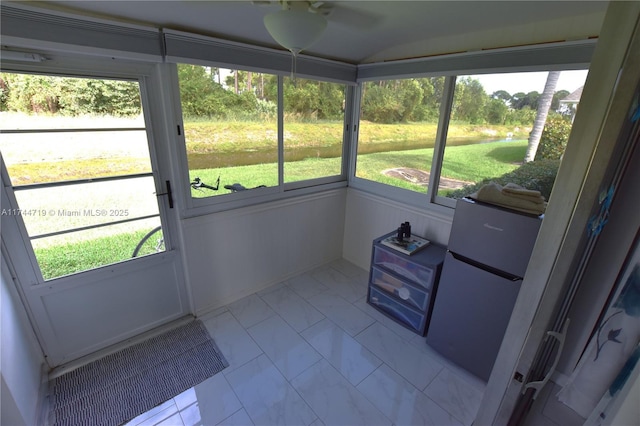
<point>563,56</point>
<point>201,206</point>
<point>145,75</point>
<point>125,45</point>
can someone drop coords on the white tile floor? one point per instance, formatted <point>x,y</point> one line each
<point>310,351</point>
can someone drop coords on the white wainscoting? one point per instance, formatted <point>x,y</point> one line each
<point>231,254</point>
<point>369,216</point>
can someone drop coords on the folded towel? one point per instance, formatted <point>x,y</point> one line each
<point>492,194</point>
<point>513,190</point>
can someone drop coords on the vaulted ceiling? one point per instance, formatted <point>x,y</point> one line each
<point>369,31</point>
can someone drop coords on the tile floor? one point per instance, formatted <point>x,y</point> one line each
<point>547,410</point>
<point>310,351</point>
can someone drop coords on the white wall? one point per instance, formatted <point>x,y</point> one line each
<point>21,359</point>
<point>369,216</point>
<point>232,254</point>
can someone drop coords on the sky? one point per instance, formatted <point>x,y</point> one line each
<point>530,81</point>
<point>519,82</point>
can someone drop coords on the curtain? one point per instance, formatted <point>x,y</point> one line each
<point>612,346</point>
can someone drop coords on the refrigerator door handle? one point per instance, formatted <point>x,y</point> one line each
<point>484,267</point>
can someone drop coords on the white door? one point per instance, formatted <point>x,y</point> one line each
<point>85,212</point>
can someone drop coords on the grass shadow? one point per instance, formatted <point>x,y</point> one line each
<point>508,154</point>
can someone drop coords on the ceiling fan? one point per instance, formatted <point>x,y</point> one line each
<point>298,24</point>
<point>316,6</point>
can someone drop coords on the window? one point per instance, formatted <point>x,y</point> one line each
<point>232,137</point>
<point>230,128</point>
<point>397,132</point>
<point>77,155</point>
<point>462,132</point>
<point>313,129</point>
<point>490,123</point>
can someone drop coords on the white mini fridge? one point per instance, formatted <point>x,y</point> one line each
<point>488,252</point>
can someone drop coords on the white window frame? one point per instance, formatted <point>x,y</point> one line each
<point>558,56</point>
<point>117,44</point>
<point>201,206</point>
<point>80,65</point>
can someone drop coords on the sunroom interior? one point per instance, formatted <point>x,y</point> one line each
<point>221,246</point>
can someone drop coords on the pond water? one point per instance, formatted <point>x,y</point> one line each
<point>212,160</point>
<point>258,156</point>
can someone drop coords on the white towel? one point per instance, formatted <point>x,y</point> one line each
<point>492,194</point>
<point>513,190</point>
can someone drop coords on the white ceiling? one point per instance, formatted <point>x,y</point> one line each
<point>370,31</point>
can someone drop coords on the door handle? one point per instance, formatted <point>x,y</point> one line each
<point>169,194</point>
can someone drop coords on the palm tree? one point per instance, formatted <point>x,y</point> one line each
<point>544,104</point>
<point>235,81</point>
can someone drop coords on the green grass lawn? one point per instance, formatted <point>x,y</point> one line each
<point>264,174</point>
<point>60,260</point>
<point>469,163</point>
<point>472,163</point>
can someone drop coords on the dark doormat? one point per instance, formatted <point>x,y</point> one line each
<point>125,384</point>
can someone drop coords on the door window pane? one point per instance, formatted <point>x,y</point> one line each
<point>77,154</point>
<point>39,156</point>
<point>79,251</point>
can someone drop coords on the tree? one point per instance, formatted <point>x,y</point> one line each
<point>195,88</point>
<point>521,117</point>
<point>469,101</point>
<point>410,94</point>
<point>69,96</point>
<point>78,96</point>
<point>236,82</point>
<point>497,111</point>
<point>201,96</point>
<point>308,99</point>
<point>521,100</point>
<point>517,100</point>
<point>32,93</point>
<point>4,93</point>
<point>331,100</point>
<point>391,101</point>
<point>215,72</point>
<point>503,95</point>
<point>429,108</point>
<point>544,105</point>
<point>557,97</point>
<point>379,104</point>
<point>554,138</point>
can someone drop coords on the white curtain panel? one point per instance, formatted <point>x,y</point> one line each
<point>614,342</point>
